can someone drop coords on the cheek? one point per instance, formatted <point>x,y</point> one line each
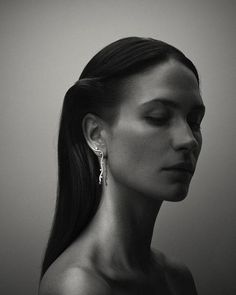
<point>134,155</point>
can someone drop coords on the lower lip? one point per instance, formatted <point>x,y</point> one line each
<point>179,173</point>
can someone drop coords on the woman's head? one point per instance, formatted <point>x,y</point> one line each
<point>132,72</point>
<point>110,107</point>
<point>157,127</point>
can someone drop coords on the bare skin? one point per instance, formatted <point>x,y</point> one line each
<point>164,277</point>
<point>113,255</point>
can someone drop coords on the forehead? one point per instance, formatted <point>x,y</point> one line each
<point>170,81</point>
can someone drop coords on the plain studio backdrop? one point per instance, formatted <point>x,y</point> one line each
<point>44,47</point>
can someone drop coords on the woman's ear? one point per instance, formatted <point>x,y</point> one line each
<point>94,132</point>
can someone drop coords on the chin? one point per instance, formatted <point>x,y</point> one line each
<point>178,194</point>
<point>174,193</point>
<point>178,198</point>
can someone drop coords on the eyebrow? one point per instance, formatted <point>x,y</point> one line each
<point>173,104</point>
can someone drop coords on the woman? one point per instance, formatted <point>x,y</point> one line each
<point>129,139</point>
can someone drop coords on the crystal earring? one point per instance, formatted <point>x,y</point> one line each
<point>103,166</point>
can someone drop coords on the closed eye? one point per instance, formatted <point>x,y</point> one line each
<point>157,120</point>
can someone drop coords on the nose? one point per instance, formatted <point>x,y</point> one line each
<point>183,138</point>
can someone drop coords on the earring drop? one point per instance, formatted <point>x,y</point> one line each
<point>103,166</point>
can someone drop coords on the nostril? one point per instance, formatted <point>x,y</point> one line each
<point>183,138</point>
<point>192,145</point>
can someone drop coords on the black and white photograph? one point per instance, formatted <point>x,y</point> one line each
<point>117,147</point>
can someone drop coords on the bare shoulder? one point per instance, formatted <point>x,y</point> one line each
<point>75,281</point>
<point>178,275</point>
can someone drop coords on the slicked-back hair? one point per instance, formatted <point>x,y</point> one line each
<point>98,91</point>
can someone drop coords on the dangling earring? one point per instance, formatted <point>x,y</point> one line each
<point>103,166</point>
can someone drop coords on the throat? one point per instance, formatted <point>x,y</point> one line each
<point>118,238</point>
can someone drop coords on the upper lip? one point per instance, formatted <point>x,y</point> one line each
<point>186,166</point>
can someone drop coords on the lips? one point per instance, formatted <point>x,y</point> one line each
<point>183,166</point>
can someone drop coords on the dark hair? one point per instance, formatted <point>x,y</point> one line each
<point>97,91</point>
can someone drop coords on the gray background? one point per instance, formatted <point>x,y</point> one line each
<point>44,47</point>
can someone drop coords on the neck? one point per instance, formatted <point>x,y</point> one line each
<point>120,233</point>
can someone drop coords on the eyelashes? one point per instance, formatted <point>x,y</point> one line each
<point>158,118</point>
<point>157,121</point>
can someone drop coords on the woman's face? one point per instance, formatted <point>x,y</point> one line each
<point>154,146</point>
